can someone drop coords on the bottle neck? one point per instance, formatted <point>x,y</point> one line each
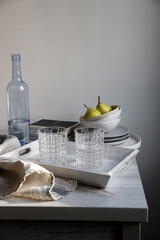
<point>16,71</point>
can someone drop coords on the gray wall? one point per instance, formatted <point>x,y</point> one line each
<point>74,50</point>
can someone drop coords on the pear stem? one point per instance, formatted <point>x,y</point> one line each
<point>98,99</point>
<point>85,106</point>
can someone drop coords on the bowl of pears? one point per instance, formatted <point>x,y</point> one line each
<point>103,116</point>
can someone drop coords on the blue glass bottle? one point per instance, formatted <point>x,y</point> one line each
<point>18,103</point>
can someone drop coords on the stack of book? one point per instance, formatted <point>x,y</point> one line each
<point>69,125</point>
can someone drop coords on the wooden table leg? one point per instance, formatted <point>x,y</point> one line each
<point>132,231</point>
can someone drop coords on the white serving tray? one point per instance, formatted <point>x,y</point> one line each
<point>116,160</point>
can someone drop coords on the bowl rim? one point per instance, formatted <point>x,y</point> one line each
<point>116,109</point>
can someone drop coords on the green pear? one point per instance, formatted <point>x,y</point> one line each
<point>103,108</point>
<point>91,112</point>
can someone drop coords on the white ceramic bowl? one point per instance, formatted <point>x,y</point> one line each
<point>116,109</point>
<point>107,126</point>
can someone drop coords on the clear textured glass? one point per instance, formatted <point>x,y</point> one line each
<point>52,144</point>
<point>18,103</point>
<point>89,144</point>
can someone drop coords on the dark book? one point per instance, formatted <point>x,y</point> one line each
<point>70,125</point>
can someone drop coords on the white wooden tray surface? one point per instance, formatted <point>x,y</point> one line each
<point>116,160</point>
